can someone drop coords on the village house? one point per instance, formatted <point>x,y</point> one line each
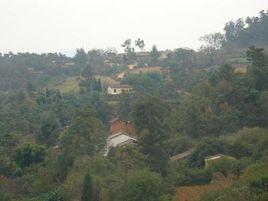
<point>120,139</point>
<point>117,89</point>
<point>117,125</point>
<point>121,133</point>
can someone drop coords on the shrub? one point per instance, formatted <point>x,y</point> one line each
<point>143,186</point>
<point>29,154</point>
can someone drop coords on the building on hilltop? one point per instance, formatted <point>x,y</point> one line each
<point>117,89</point>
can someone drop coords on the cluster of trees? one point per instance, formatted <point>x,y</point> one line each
<point>30,72</point>
<point>251,31</point>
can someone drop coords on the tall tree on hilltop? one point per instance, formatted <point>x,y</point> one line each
<point>213,42</point>
<point>87,78</point>
<point>129,51</point>
<point>154,54</point>
<point>80,57</point>
<point>259,67</point>
<point>140,43</point>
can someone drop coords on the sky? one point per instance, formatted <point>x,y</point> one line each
<point>64,25</point>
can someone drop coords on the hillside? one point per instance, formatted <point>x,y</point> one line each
<point>156,125</point>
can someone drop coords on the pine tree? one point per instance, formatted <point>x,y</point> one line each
<point>87,191</point>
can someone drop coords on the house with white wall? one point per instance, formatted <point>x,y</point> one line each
<point>117,89</point>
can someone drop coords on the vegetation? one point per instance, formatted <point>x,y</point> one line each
<point>53,134</point>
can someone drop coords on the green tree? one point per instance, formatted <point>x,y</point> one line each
<point>129,51</point>
<point>143,186</point>
<point>29,154</point>
<point>85,135</point>
<point>154,54</point>
<point>259,68</point>
<point>80,57</point>
<point>213,42</point>
<point>140,43</point>
<point>88,80</point>
<point>49,129</point>
<point>87,188</point>
<point>152,121</point>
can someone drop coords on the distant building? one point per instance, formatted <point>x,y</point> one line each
<point>121,133</point>
<point>117,89</point>
<point>117,125</point>
<point>215,158</point>
<point>142,54</point>
<point>118,140</point>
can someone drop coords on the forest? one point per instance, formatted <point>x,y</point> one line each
<point>55,116</point>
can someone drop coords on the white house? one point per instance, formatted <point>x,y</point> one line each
<point>118,140</point>
<point>117,89</point>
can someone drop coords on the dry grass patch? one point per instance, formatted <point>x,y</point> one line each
<point>194,193</point>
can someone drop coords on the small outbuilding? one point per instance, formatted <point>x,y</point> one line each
<point>215,158</point>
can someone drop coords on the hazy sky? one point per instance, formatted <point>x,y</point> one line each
<point>58,25</point>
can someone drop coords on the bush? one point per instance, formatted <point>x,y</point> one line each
<point>143,186</point>
<point>208,147</point>
<point>29,154</point>
<point>223,165</point>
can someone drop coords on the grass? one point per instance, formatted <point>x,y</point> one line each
<point>194,193</point>
<point>105,80</point>
<point>70,84</point>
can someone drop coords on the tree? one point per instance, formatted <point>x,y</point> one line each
<point>152,121</point>
<point>154,54</point>
<point>127,45</point>
<point>233,30</point>
<point>87,81</point>
<point>208,147</point>
<point>140,43</point>
<point>48,129</point>
<point>80,57</point>
<point>129,51</point>
<point>143,186</point>
<point>86,133</point>
<point>64,163</point>
<point>29,154</point>
<point>213,42</point>
<point>87,189</point>
<point>131,158</point>
<point>259,68</point>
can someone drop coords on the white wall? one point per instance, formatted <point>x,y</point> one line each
<point>111,91</point>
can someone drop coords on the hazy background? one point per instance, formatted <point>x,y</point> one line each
<point>63,25</point>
